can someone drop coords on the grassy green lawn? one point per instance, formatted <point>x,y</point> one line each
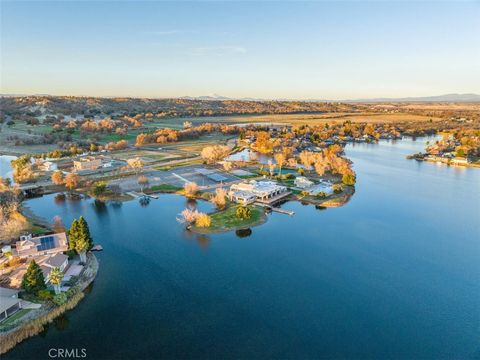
<point>227,219</point>
<point>14,317</point>
<point>36,129</point>
<point>106,138</point>
<point>164,188</point>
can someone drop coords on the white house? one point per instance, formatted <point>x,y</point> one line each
<point>302,182</point>
<point>460,161</point>
<point>261,191</point>
<point>48,166</point>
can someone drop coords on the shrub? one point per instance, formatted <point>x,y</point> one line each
<point>301,171</point>
<point>60,299</point>
<point>203,220</point>
<point>191,189</point>
<point>188,216</point>
<point>219,199</point>
<point>348,179</point>
<point>99,188</point>
<point>45,295</point>
<point>70,292</point>
<point>73,280</point>
<point>337,188</point>
<point>322,194</point>
<point>243,212</point>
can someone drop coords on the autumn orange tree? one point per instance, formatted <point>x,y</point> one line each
<point>58,178</point>
<point>71,181</point>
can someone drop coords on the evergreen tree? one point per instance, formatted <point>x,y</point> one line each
<point>73,235</point>
<point>80,239</point>
<point>33,280</point>
<point>85,231</point>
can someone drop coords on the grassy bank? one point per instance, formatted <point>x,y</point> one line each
<point>165,188</point>
<point>334,200</point>
<point>227,220</point>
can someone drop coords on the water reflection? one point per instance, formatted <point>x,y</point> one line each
<point>100,206</point>
<point>89,288</point>
<point>203,241</point>
<point>144,201</point>
<point>242,233</point>
<point>44,332</point>
<point>59,198</point>
<point>61,322</point>
<point>191,204</point>
<point>74,197</point>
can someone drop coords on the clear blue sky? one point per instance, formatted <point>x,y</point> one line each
<point>322,50</point>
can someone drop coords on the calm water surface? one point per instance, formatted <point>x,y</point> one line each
<point>393,274</point>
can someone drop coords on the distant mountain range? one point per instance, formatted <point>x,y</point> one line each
<point>216,97</point>
<point>438,98</point>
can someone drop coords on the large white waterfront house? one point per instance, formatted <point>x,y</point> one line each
<point>261,191</point>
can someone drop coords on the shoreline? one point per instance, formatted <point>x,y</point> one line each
<point>444,162</point>
<point>32,325</point>
<point>205,231</point>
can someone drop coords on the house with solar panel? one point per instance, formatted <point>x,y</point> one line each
<point>29,246</point>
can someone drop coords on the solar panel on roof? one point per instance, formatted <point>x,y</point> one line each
<point>46,243</point>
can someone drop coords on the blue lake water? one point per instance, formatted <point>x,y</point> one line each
<point>393,274</point>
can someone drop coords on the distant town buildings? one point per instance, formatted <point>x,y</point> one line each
<point>47,166</point>
<point>87,163</point>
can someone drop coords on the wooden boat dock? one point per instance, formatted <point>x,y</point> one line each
<point>276,209</point>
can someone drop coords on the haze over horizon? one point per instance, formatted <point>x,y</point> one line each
<point>334,51</point>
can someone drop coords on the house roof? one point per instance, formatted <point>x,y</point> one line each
<point>6,292</point>
<point>57,242</point>
<point>46,270</point>
<point>7,302</point>
<point>56,260</point>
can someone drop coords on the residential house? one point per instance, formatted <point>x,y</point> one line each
<point>58,260</point>
<point>87,163</point>
<point>29,246</point>
<point>460,161</point>
<point>302,182</point>
<point>9,302</point>
<point>47,166</point>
